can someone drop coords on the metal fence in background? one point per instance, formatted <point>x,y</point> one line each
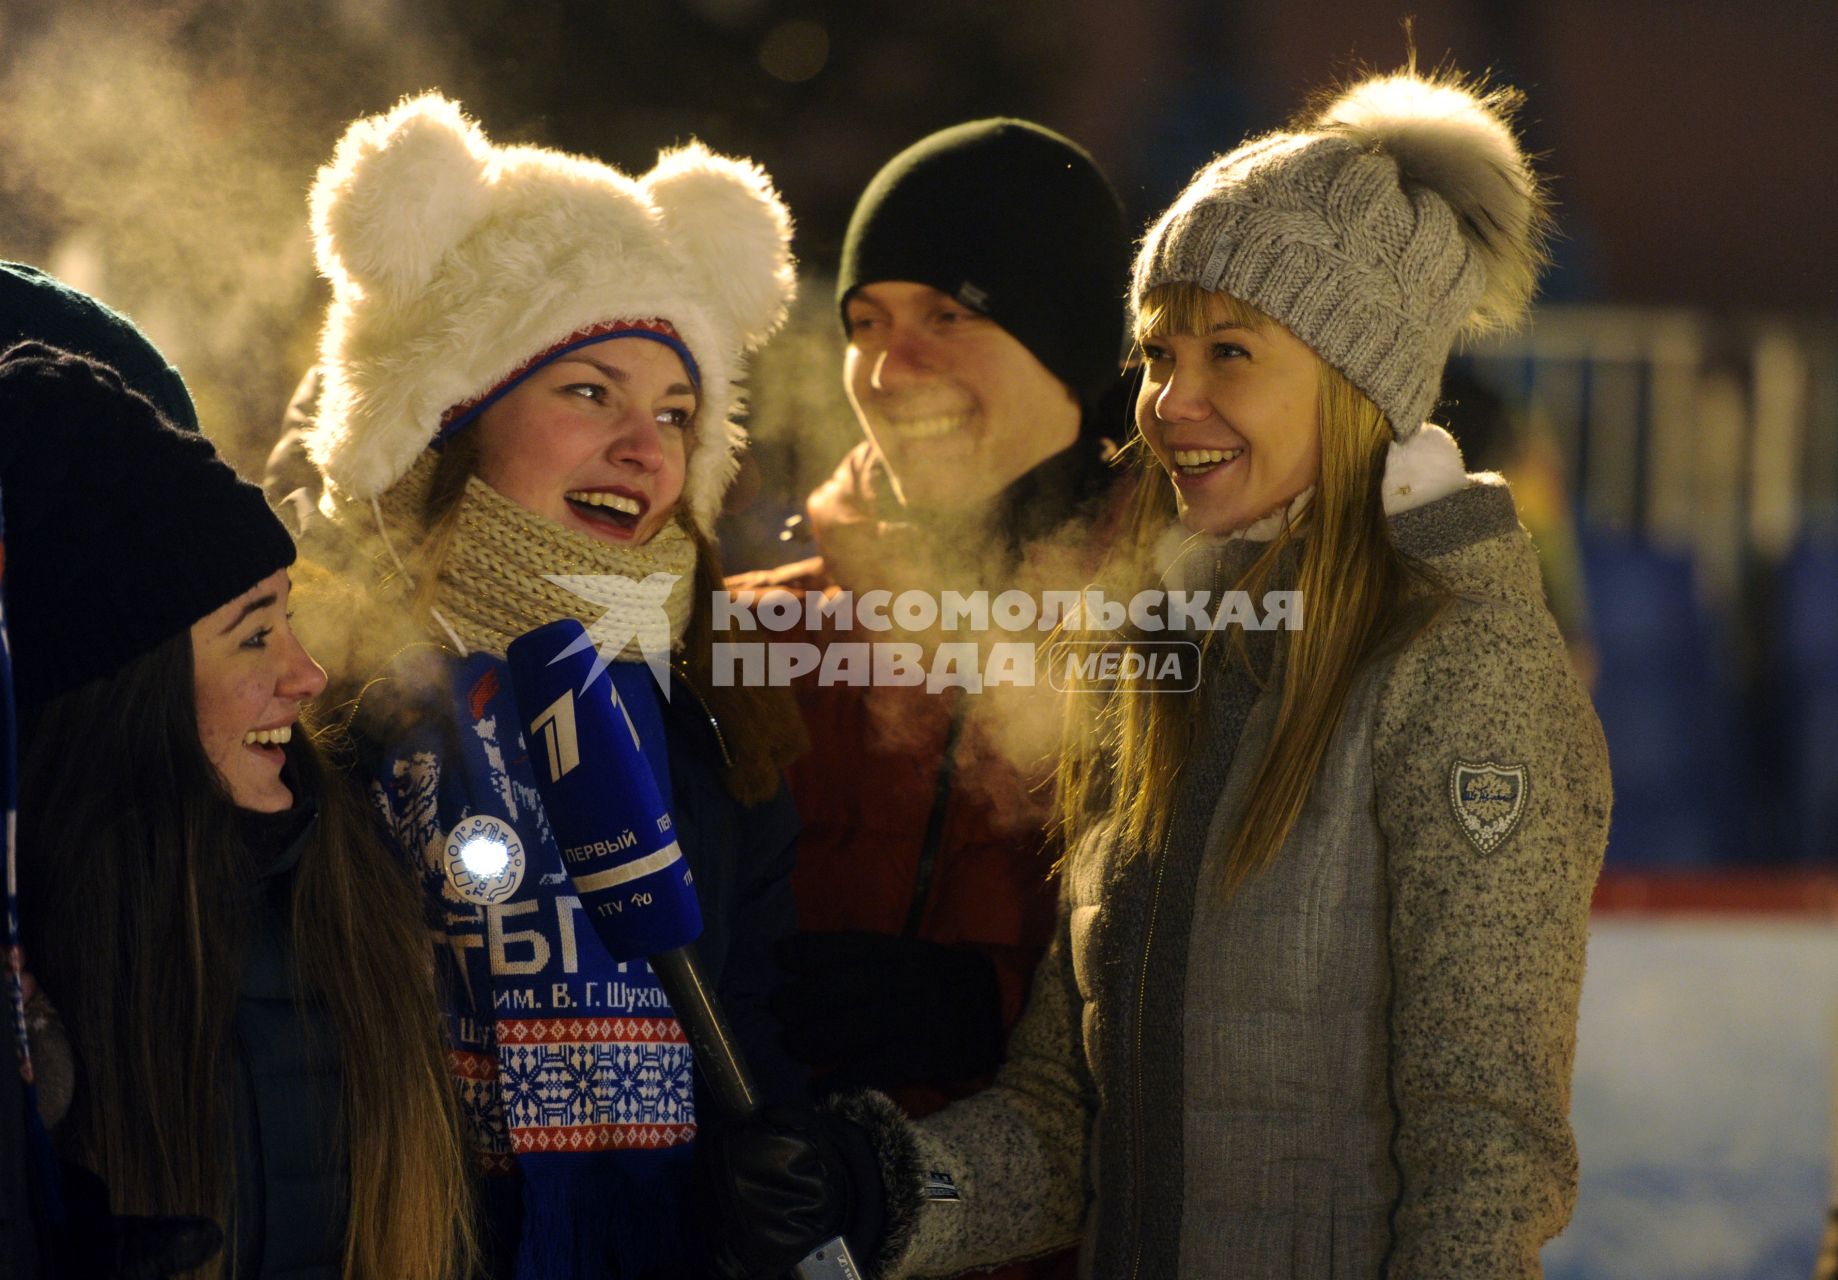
<point>1700,455</point>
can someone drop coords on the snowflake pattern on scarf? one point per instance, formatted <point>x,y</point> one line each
<point>556,1047</point>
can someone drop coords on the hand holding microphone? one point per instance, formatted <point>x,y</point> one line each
<point>786,1180</point>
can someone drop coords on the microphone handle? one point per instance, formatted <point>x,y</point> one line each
<point>717,1057</point>
<point>725,1074</point>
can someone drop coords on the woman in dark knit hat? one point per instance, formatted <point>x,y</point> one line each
<point>239,966</point>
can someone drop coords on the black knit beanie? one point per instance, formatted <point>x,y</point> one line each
<point>35,307</point>
<point>1014,221</point>
<point>120,530</point>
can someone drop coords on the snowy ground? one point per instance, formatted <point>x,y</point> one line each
<point>1703,1101</point>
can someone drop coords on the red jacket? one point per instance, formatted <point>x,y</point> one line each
<point>914,817</point>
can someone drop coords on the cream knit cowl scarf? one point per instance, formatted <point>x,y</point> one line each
<point>498,575</point>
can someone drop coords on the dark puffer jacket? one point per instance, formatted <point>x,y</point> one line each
<point>292,1162</point>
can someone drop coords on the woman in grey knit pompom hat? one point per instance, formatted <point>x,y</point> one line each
<point>1337,871</point>
<point>1312,1002</point>
<point>1401,215</point>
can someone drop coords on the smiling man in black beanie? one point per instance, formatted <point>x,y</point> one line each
<point>981,292</point>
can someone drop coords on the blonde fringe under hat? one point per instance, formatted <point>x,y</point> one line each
<point>457,266</point>
<point>1398,217</point>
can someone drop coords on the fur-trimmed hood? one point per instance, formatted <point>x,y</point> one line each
<point>453,262</point>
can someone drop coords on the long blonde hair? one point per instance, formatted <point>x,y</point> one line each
<point>1125,757</point>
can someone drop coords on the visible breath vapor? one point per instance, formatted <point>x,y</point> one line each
<point>802,426</point>
<point>798,417</point>
<point>159,158</point>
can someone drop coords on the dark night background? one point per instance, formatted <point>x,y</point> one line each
<point>1675,402</point>
<point>165,148</point>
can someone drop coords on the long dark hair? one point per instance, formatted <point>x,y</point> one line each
<point>132,881</point>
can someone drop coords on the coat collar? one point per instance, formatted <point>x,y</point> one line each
<point>1435,508</point>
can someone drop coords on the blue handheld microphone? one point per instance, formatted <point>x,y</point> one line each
<point>618,844</point>
<point>617,837</point>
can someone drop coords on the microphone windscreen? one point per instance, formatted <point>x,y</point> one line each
<point>618,840</point>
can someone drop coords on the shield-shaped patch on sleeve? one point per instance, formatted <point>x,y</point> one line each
<point>1488,799</point>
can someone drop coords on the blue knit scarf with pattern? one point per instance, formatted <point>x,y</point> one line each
<point>574,1075</point>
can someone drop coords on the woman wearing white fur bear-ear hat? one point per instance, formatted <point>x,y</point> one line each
<point>529,373</point>
<point>1311,1008</point>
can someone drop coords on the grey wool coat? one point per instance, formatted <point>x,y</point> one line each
<point>1359,1065</point>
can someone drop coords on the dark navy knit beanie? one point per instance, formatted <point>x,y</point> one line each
<point>1014,221</point>
<point>121,531</point>
<point>35,307</point>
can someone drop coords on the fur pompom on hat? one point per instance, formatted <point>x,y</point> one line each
<point>456,266</point>
<point>1401,215</point>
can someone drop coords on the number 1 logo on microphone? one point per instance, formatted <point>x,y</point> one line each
<point>556,725</point>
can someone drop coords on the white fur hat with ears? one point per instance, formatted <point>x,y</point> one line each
<point>454,263</point>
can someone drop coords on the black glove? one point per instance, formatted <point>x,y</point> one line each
<point>883,1011</point>
<point>779,1183</point>
<point>96,1244</point>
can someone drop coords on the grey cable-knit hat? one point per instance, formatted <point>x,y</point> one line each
<point>1400,216</point>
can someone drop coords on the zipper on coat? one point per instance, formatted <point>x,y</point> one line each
<point>721,742</point>
<point>1142,998</point>
<point>935,822</point>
